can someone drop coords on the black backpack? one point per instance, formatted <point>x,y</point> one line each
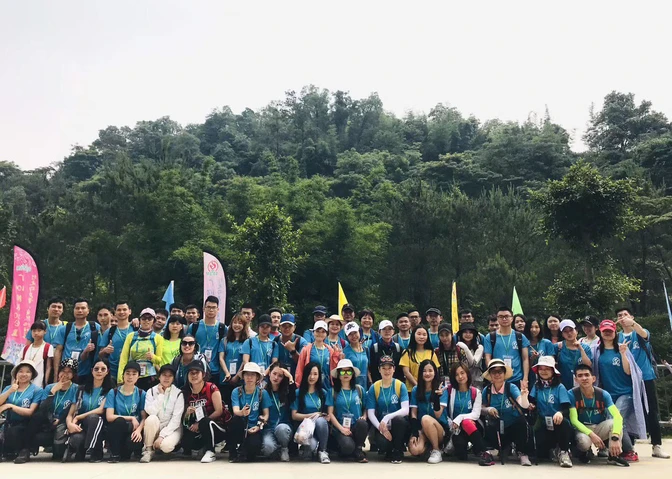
<point>519,342</point>
<point>221,331</point>
<point>94,335</point>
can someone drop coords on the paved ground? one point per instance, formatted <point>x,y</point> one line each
<point>41,467</point>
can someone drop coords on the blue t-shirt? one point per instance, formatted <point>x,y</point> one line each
<point>309,336</point>
<point>31,395</point>
<point>278,411</point>
<point>91,401</point>
<point>507,411</point>
<point>426,408</point>
<point>241,399</point>
<point>506,347</point>
<point>233,355</point>
<point>591,414</point>
<point>73,348</point>
<point>321,356</point>
<point>388,401</point>
<point>312,402</point>
<point>403,343</point>
<point>637,349</point>
<point>550,400</point>
<point>62,399</point>
<point>568,360</point>
<point>131,405</point>
<point>51,334</point>
<point>544,347</point>
<point>118,340</point>
<point>208,341</point>
<point>284,357</point>
<point>612,375</point>
<point>361,361</point>
<point>434,339</point>
<point>349,404</point>
<point>261,352</point>
<point>463,403</point>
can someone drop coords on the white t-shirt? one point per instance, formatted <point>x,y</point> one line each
<point>36,355</point>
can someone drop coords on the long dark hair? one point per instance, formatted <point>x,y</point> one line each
<point>338,385</point>
<point>452,341</point>
<point>547,332</point>
<point>542,329</point>
<point>231,334</point>
<point>166,331</point>
<point>614,343</point>
<point>87,387</point>
<point>283,388</point>
<point>453,376</point>
<point>413,345</point>
<point>473,344</point>
<point>420,392</point>
<point>303,389</point>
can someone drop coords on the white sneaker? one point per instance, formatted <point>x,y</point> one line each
<point>435,457</point>
<point>449,450</point>
<point>324,457</point>
<point>659,453</point>
<point>284,454</point>
<point>209,456</point>
<point>524,460</point>
<point>564,459</point>
<point>219,447</point>
<point>147,455</point>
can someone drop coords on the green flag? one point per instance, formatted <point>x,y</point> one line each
<point>515,303</point>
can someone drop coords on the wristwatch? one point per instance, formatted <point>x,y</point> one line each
<point>615,438</point>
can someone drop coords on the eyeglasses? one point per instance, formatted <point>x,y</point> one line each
<point>100,370</point>
<point>211,307</point>
<point>188,343</point>
<point>345,372</point>
<point>497,371</point>
<point>508,316</point>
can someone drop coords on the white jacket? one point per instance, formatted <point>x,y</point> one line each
<point>167,406</point>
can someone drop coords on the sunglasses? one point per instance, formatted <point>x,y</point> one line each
<point>101,370</point>
<point>188,343</point>
<point>345,372</point>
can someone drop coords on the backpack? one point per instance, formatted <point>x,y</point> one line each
<point>396,345</point>
<point>473,390</point>
<point>45,357</point>
<point>221,330</point>
<point>136,338</point>
<point>519,342</point>
<point>94,335</point>
<point>508,394</point>
<point>598,398</point>
<point>378,385</point>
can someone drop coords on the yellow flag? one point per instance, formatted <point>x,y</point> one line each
<point>453,304</point>
<point>342,300</point>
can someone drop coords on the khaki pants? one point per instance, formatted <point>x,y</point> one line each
<point>603,430</point>
<point>151,432</point>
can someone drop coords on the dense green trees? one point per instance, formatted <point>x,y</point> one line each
<point>321,187</point>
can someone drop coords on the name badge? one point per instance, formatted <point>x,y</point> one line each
<point>549,423</point>
<point>143,369</point>
<point>233,368</point>
<point>507,361</point>
<point>347,421</point>
<point>208,354</point>
<point>75,355</point>
<point>200,414</point>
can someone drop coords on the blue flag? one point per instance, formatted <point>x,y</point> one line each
<point>169,295</point>
<point>667,303</point>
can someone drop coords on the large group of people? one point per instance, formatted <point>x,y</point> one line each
<point>171,382</point>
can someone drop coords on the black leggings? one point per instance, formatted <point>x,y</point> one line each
<point>399,428</point>
<point>247,444</point>
<point>652,418</point>
<point>461,441</point>
<point>348,444</point>
<point>209,433</point>
<point>14,438</point>
<point>515,433</point>
<point>560,436</point>
<point>91,437</point>
<point>119,439</point>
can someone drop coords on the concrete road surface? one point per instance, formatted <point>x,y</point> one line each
<point>161,468</point>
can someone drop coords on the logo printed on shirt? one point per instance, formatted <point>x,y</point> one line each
<point>616,361</point>
<point>395,399</point>
<point>507,404</point>
<point>635,345</point>
<point>551,399</point>
<point>515,346</point>
<point>25,403</point>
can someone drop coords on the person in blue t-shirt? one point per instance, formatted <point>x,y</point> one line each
<point>208,333</point>
<point>79,343</point>
<point>571,352</point>
<point>549,396</point>
<point>314,403</point>
<point>55,308</point>
<point>319,314</point>
<point>288,343</point>
<point>19,401</point>
<point>387,407</point>
<point>356,352</point>
<point>261,349</point>
<point>348,422</point>
<point>251,405</point>
<point>278,432</point>
<point>502,409</point>
<point>112,341</point>
<point>231,357</point>
<point>428,416</point>
<point>539,345</point>
<point>507,349</point>
<point>434,319</point>
<point>125,413</point>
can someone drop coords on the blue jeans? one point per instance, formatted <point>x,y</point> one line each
<point>274,439</point>
<point>626,407</point>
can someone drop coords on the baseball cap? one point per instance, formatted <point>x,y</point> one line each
<point>264,319</point>
<point>196,365</point>
<point>132,365</point>
<point>607,324</point>
<point>320,325</point>
<point>320,309</point>
<point>351,327</point>
<point>433,310</point>
<point>567,323</point>
<point>445,327</point>
<point>287,318</point>
<point>149,311</point>
<point>386,361</point>
<point>348,306</point>
<point>167,368</point>
<point>385,324</point>
<point>590,320</point>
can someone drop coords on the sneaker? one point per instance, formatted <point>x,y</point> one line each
<point>23,457</point>
<point>659,453</point>
<point>564,459</point>
<point>603,453</point>
<point>486,459</point>
<point>220,446</point>
<point>397,457</point>
<point>324,457</point>
<point>524,460</point>
<point>555,452</point>
<point>435,457</point>
<point>284,454</point>
<point>147,455</point>
<point>449,448</point>
<point>209,456</point>
<point>96,457</point>
<point>586,457</point>
<point>630,456</point>
<point>617,461</point>
<point>360,456</point>
<point>114,459</point>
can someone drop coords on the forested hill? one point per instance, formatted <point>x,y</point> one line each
<point>319,187</point>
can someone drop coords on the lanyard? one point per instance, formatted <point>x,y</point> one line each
<point>386,399</point>
<point>277,405</point>
<point>166,399</point>
<point>318,404</point>
<point>592,408</point>
<point>128,411</point>
<point>62,393</point>
<point>251,400</point>
<point>320,356</point>
<point>234,351</point>
<point>17,392</point>
<point>348,400</point>
<point>263,346</point>
<point>506,346</point>
<point>95,401</point>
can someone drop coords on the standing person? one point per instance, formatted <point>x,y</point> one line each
<point>145,347</point>
<point>588,410</point>
<point>77,340</point>
<point>55,308</point>
<point>209,332</point>
<point>447,352</point>
<point>114,338</point>
<point>188,354</point>
<point>172,338</point>
<point>471,352</point>
<point>289,344</point>
<point>204,419</point>
<point>319,314</point>
<point>357,354</point>
<point>85,421</point>
<point>347,316</point>
<point>177,309</point>
<point>191,314</point>
<point>415,318</point>
<point>315,403</point>
<point>551,400</point>
<point>385,346</point>
<point>434,318</point>
<point>428,415</point>
<point>261,350</point>
<point>367,334</point>
<point>160,320</point>
<point>463,405</point>
<point>231,358</point>
<point>571,353</point>
<point>278,432</point>
<point>387,407</point>
<point>164,405</point>
<point>403,337</point>
<point>38,352</point>
<point>248,313</point>
<point>251,406</point>
<point>552,329</point>
<point>502,409</point>
<point>539,345</point>
<point>467,318</point>
<point>320,353</point>
<point>18,402</point>
<point>104,318</point>
<point>591,338</point>
<point>493,324</point>
<point>622,378</point>
<point>334,339</point>
<point>348,422</point>
<point>519,322</point>
<point>276,317</point>
<point>418,350</point>
<point>638,340</point>
<point>509,346</point>
<point>125,414</point>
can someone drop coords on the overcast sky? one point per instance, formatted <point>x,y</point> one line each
<point>71,68</point>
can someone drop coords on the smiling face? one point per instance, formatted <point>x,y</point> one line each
<point>468,335</point>
<point>264,330</point>
<point>545,372</point>
<point>320,334</point>
<point>146,322</point>
<point>188,346</point>
<point>353,337</point>
<point>346,375</point>
<point>386,371</point>
<point>166,379</point>
<point>237,325</point>
<point>334,327</point>
<point>366,321</point>
<point>314,376</point>
<point>497,375</point>
<point>420,337</point>
<point>404,324</point>
<point>195,376</point>
<point>65,375</point>
<point>287,329</point>
<point>24,375</point>
<point>160,321</point>
<point>122,312</point>
<point>461,376</point>
<point>99,371</point>
<point>428,373</point>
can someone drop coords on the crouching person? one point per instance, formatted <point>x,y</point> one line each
<point>278,432</point>
<point>164,405</point>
